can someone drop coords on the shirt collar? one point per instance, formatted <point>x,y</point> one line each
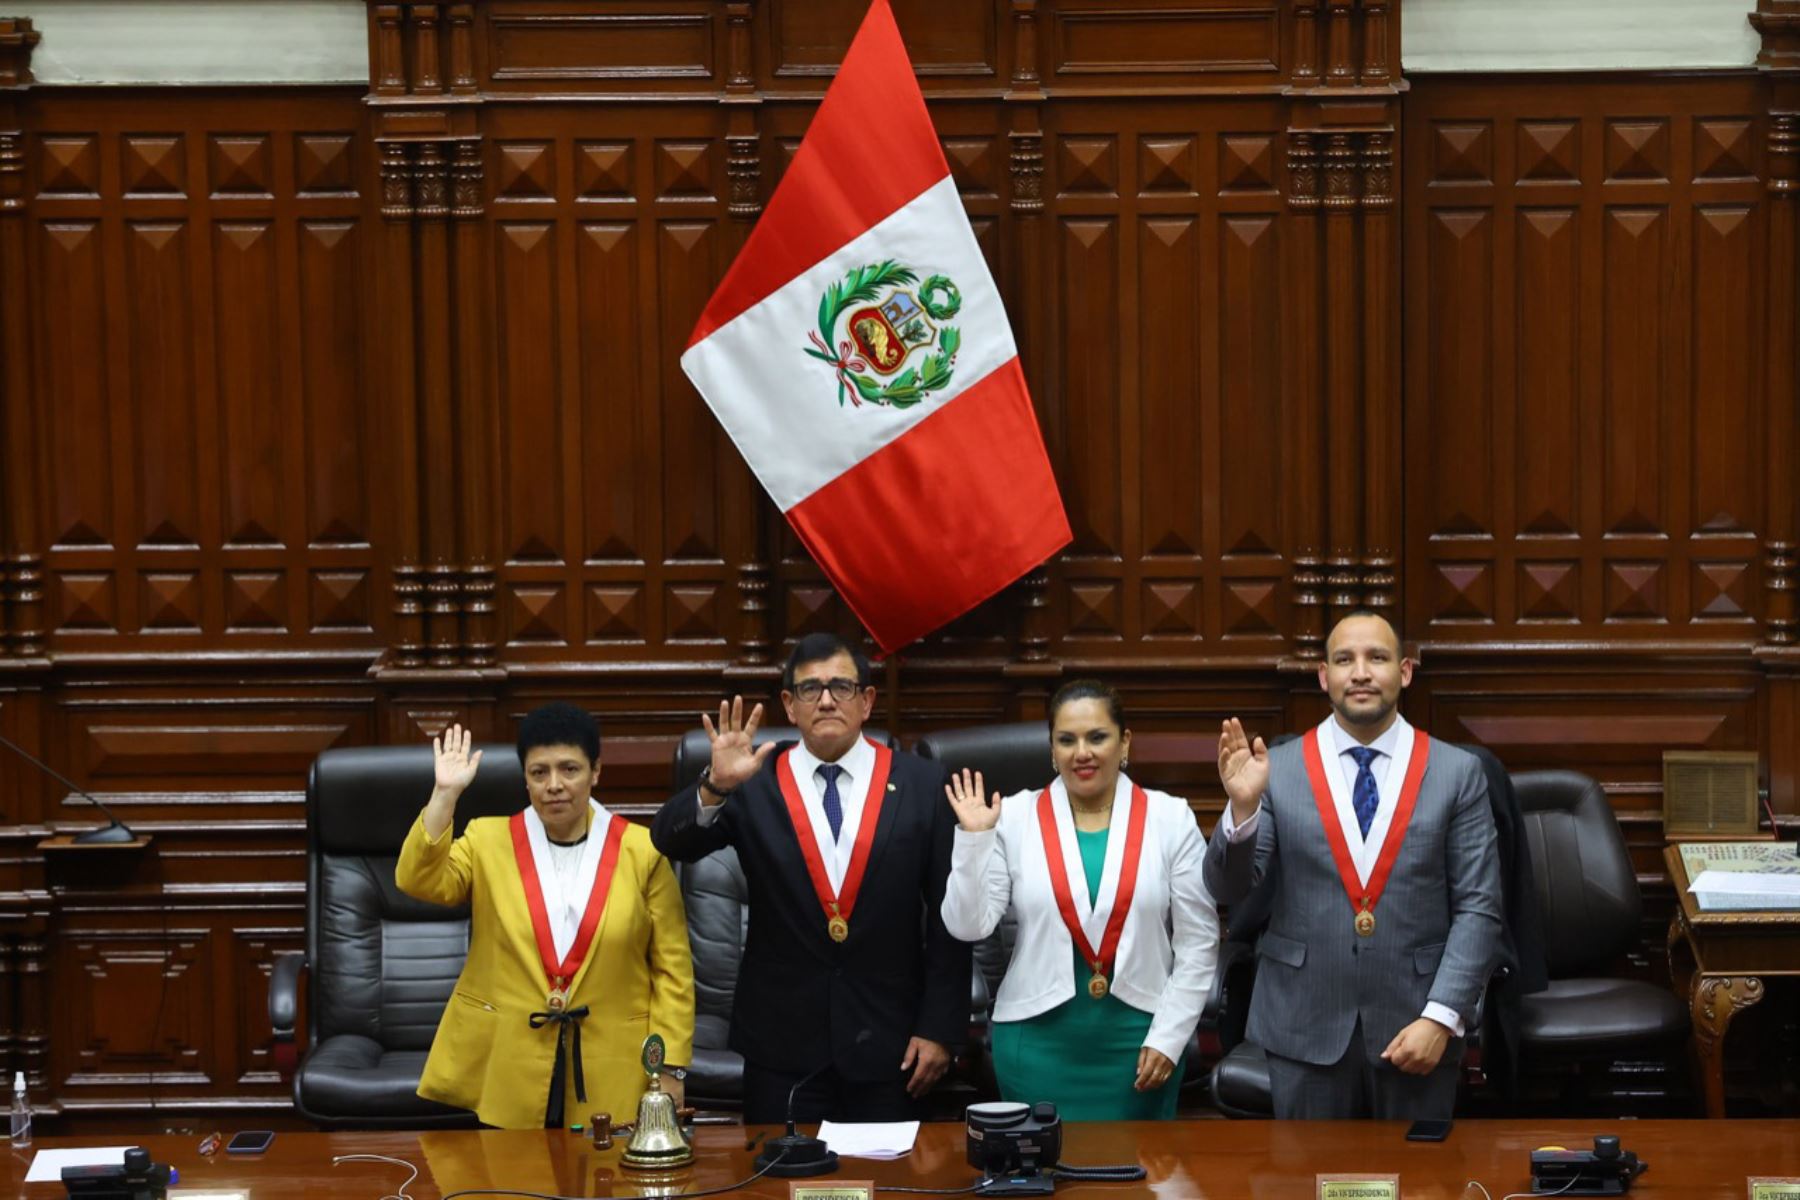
<point>858,761</point>
<point>1383,745</point>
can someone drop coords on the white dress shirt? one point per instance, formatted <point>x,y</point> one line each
<point>1393,754</point>
<point>858,765</point>
<point>566,873</point>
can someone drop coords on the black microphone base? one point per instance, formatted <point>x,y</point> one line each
<point>800,1156</point>
<point>106,835</point>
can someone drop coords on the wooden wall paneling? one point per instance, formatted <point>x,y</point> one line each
<point>1582,262</point>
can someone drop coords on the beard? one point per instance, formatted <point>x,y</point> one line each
<point>1374,716</point>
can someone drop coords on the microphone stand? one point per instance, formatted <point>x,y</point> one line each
<point>794,1155</point>
<point>114,834</point>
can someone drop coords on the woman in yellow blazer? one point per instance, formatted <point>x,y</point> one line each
<point>578,946</point>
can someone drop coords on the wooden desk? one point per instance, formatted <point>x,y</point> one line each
<point>1718,960</point>
<point>1187,1160</point>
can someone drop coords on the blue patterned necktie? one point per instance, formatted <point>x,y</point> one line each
<point>834,805</point>
<point>1365,797</point>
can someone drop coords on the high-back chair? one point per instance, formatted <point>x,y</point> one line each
<point>379,965</point>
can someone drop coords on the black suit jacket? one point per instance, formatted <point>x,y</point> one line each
<point>802,999</point>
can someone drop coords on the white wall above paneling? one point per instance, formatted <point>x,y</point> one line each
<point>1575,35</point>
<point>198,41</point>
<point>325,41</point>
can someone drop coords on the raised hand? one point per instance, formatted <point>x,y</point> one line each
<point>734,761</point>
<point>1243,768</point>
<point>454,766</point>
<point>973,813</point>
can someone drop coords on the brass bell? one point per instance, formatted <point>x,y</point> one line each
<point>656,1142</point>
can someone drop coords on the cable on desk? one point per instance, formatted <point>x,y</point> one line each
<point>398,1193</point>
<point>1476,1184</point>
<point>919,1191</point>
<point>718,1191</point>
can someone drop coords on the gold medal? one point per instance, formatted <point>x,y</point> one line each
<point>1097,986</point>
<point>838,928</point>
<point>1365,924</point>
<point>558,998</point>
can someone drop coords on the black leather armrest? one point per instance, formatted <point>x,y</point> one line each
<point>1232,956</point>
<point>284,994</point>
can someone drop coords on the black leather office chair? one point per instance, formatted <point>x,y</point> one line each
<point>714,893</point>
<point>1588,894</point>
<point>380,966</point>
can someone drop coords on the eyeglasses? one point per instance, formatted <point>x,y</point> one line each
<point>808,691</point>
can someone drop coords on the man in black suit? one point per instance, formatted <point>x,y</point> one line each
<point>848,970</point>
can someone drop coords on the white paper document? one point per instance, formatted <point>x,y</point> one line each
<point>47,1166</point>
<point>870,1139</point>
<point>1739,883</point>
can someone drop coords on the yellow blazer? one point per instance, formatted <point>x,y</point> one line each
<point>637,979</point>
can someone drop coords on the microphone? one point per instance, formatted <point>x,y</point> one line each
<point>114,834</point>
<point>794,1155</point>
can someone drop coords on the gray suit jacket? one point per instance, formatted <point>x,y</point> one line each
<point>1437,924</point>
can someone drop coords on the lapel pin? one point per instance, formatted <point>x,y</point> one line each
<point>892,788</point>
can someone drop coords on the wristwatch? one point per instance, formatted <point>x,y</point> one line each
<point>679,1074</point>
<point>707,783</point>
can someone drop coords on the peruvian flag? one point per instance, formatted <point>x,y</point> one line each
<point>858,354</point>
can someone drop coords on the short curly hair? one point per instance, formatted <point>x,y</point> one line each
<point>559,724</point>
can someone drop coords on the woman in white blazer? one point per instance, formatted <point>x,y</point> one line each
<point>1118,938</point>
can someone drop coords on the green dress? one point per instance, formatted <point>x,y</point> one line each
<point>1082,1054</point>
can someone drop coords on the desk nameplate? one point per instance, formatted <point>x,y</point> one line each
<point>1764,1187</point>
<point>837,1189</point>
<point>1359,1187</point>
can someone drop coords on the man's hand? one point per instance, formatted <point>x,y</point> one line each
<point>1153,1070</point>
<point>927,1061</point>
<point>1417,1048</point>
<point>973,813</point>
<point>453,771</point>
<point>1243,769</point>
<point>734,762</point>
<point>676,1088</point>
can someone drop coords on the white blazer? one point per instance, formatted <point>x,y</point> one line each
<point>1168,949</point>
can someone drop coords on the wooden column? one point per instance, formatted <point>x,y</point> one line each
<point>1303,410</point>
<point>751,519</point>
<point>1032,668</point>
<point>1381,458</point>
<point>21,553</point>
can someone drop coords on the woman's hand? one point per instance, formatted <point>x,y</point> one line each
<point>452,763</point>
<point>973,813</point>
<point>1153,1070</point>
<point>453,769</point>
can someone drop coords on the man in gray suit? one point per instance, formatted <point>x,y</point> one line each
<point>1385,917</point>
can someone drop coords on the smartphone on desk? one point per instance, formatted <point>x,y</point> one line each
<point>1428,1131</point>
<point>250,1141</point>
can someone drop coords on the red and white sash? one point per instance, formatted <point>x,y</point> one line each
<point>1097,930</point>
<point>1364,897</point>
<point>563,945</point>
<point>839,904</point>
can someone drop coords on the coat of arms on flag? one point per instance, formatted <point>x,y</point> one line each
<point>859,355</point>
<point>877,325</point>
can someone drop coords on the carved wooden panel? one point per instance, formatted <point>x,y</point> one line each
<point>205,446</point>
<point>1584,361</point>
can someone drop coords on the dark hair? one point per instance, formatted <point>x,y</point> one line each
<point>817,647</point>
<point>1379,615</point>
<point>559,724</point>
<point>1087,689</point>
